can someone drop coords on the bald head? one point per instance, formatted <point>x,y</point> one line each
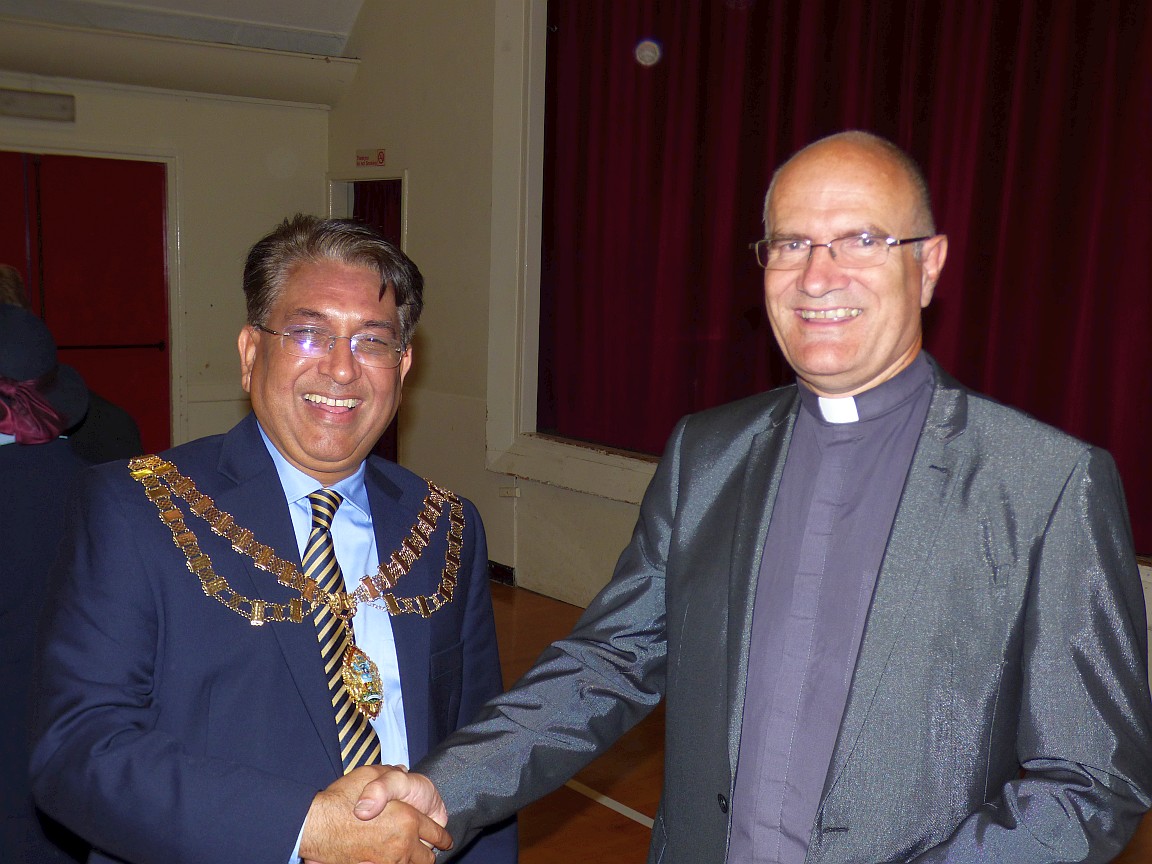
<point>869,152</point>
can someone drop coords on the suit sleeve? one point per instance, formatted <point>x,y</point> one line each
<point>482,680</point>
<point>1083,734</point>
<point>101,763</point>
<point>582,694</point>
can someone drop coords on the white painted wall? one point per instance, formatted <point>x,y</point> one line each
<point>424,94</point>
<point>452,92</point>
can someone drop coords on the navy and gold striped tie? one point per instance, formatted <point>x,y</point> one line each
<point>358,742</point>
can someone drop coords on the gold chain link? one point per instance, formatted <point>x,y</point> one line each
<point>161,481</point>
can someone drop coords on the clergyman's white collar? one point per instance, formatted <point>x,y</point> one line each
<point>841,410</point>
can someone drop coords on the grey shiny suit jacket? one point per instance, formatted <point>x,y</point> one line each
<point>999,709</point>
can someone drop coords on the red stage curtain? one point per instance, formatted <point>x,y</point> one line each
<point>1031,121</point>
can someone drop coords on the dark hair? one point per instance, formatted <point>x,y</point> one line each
<point>304,239</point>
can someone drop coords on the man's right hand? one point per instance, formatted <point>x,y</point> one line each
<point>399,833</point>
<point>414,789</point>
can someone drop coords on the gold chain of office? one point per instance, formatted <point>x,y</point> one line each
<point>162,481</point>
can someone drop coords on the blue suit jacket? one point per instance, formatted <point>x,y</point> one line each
<point>35,480</point>
<point>168,728</point>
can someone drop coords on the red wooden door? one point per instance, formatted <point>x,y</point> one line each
<point>88,235</point>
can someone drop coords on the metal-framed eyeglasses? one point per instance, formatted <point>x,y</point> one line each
<point>855,250</point>
<point>316,342</point>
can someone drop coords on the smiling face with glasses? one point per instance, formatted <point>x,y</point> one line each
<point>371,349</point>
<point>325,370</point>
<point>846,273</point>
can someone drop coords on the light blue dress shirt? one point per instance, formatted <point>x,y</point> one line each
<point>355,543</point>
<point>356,551</point>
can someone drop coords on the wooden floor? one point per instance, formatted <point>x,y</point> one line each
<point>568,826</point>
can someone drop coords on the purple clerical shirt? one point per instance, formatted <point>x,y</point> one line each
<point>837,501</point>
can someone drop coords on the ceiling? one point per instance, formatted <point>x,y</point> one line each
<point>318,27</point>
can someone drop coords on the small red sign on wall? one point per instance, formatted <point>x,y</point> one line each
<point>370,158</point>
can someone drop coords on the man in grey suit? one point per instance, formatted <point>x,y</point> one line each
<point>893,620</point>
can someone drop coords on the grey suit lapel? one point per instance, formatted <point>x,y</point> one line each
<point>920,519</point>
<point>764,465</point>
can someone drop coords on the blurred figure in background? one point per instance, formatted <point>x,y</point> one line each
<point>39,399</point>
<point>104,431</point>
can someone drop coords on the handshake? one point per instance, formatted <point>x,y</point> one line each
<point>377,814</point>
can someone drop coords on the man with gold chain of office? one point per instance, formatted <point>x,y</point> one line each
<point>245,630</point>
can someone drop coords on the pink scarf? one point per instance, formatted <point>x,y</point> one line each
<point>26,414</point>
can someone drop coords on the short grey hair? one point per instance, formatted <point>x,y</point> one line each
<point>303,239</point>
